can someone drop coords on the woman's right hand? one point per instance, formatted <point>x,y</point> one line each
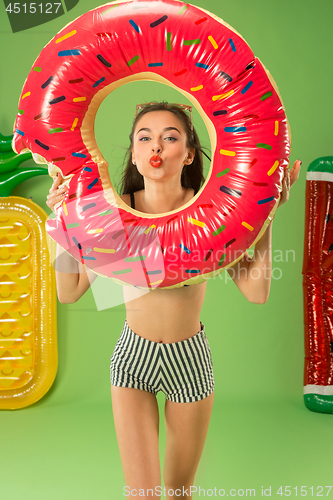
<point>57,192</point>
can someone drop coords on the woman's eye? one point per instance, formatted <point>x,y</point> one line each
<point>146,138</point>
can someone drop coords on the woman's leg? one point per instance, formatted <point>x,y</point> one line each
<point>186,429</point>
<point>136,419</point>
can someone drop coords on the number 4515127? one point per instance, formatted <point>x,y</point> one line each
<point>32,8</point>
<point>303,491</point>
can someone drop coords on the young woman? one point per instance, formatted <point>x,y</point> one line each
<point>163,345</point>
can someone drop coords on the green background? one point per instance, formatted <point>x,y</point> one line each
<point>261,434</point>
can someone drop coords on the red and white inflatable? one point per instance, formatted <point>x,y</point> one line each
<point>318,286</point>
<point>205,59</point>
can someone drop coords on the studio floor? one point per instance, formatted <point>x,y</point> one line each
<point>61,448</point>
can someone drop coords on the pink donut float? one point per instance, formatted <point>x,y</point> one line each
<point>210,63</point>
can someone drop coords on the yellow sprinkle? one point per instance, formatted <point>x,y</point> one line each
<point>77,99</point>
<point>147,231</point>
<point>94,231</point>
<point>65,208</point>
<point>276,131</point>
<point>196,222</point>
<point>104,250</point>
<point>26,95</point>
<point>156,282</point>
<point>212,41</point>
<point>194,89</point>
<point>227,153</point>
<point>65,36</point>
<point>274,167</point>
<point>222,96</point>
<point>74,124</point>
<point>245,224</point>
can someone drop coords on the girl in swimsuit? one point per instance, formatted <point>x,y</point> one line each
<point>163,345</point>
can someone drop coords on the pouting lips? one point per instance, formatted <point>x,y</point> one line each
<point>155,161</point>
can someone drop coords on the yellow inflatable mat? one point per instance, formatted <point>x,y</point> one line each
<point>28,342</point>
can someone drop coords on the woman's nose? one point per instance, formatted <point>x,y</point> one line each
<point>157,148</point>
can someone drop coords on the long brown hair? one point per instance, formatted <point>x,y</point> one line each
<point>192,175</point>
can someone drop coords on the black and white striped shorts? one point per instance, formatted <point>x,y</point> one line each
<point>182,370</point>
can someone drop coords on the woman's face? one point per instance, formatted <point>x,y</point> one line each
<point>160,134</point>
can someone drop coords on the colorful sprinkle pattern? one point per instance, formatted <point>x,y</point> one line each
<point>203,57</point>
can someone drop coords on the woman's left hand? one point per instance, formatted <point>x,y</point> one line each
<point>289,179</point>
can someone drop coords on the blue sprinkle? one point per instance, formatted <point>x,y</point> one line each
<point>154,272</point>
<point>234,129</point>
<point>88,258</point>
<point>79,155</point>
<point>183,247</point>
<point>87,169</point>
<point>99,81</point>
<point>266,200</point>
<point>93,183</point>
<point>19,132</point>
<point>152,65</point>
<point>77,243</point>
<point>232,45</point>
<point>90,205</point>
<point>72,52</point>
<point>135,26</point>
<point>246,88</point>
<point>200,65</point>
<point>192,271</point>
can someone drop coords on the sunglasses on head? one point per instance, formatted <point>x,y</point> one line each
<point>184,107</point>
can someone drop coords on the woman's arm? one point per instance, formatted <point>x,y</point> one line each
<point>72,278</point>
<point>253,276</point>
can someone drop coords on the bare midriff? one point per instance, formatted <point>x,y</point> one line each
<point>165,315</point>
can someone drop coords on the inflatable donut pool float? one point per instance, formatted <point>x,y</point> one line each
<point>192,50</point>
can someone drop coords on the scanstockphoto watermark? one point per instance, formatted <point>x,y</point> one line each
<point>233,255</point>
<point>107,293</point>
<point>261,265</point>
<point>160,491</point>
<point>141,256</point>
<point>177,264</point>
<point>134,256</point>
<point>264,491</point>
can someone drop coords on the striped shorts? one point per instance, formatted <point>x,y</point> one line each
<point>182,370</point>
